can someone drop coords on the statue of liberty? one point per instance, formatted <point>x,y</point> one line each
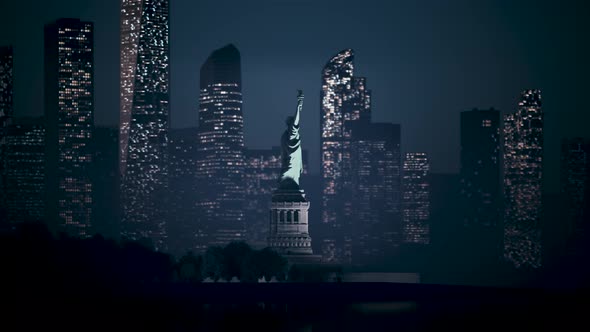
<point>291,150</point>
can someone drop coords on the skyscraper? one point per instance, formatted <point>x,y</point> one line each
<point>416,198</point>
<point>261,170</point>
<point>6,85</point>
<point>185,230</point>
<point>24,165</point>
<point>144,115</point>
<point>69,116</point>
<point>375,172</point>
<point>344,101</point>
<point>523,172</point>
<point>220,170</point>
<point>107,185</point>
<point>6,113</point>
<point>480,182</point>
<point>575,189</point>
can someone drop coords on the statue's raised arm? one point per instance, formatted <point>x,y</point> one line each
<point>299,106</point>
<point>291,150</point>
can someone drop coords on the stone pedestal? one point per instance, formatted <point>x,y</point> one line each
<point>289,234</point>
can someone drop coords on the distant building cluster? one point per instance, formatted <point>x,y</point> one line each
<point>354,185</point>
<point>23,165</point>
<point>191,188</point>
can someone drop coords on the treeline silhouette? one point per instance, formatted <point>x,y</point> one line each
<point>34,256</point>
<point>57,281</point>
<point>67,283</point>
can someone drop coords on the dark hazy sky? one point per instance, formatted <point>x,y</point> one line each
<point>424,60</point>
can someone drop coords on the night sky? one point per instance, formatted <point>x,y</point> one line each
<point>425,62</point>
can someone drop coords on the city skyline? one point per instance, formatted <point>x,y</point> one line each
<point>501,39</point>
<point>294,164</point>
<point>348,180</point>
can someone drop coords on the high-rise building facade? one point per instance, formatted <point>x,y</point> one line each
<point>220,166</point>
<point>416,199</point>
<point>261,170</point>
<point>6,113</point>
<point>23,162</point>
<point>344,100</point>
<point>575,191</point>
<point>106,180</point>
<point>480,182</point>
<point>375,172</point>
<point>6,85</point>
<point>144,119</point>
<point>523,175</point>
<point>69,116</point>
<point>184,227</point>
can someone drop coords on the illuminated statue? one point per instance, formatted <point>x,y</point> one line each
<point>291,150</point>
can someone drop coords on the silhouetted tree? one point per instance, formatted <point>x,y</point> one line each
<point>189,268</point>
<point>272,264</point>
<point>213,263</point>
<point>234,255</point>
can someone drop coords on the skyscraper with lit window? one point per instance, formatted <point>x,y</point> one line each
<point>24,166</point>
<point>220,166</point>
<point>6,85</point>
<point>6,113</point>
<point>575,189</point>
<point>416,198</point>
<point>375,173</point>
<point>344,101</point>
<point>480,182</point>
<point>69,116</point>
<point>144,116</point>
<point>523,175</point>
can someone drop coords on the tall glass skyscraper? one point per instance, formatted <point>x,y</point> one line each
<point>6,113</point>
<point>480,183</point>
<point>523,175</point>
<point>69,116</point>
<point>416,198</point>
<point>220,166</point>
<point>344,100</point>
<point>6,85</point>
<point>144,116</point>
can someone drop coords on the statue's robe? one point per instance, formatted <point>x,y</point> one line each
<point>291,158</point>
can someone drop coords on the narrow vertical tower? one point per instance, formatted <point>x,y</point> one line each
<point>6,111</point>
<point>69,118</point>
<point>144,112</point>
<point>289,233</point>
<point>220,151</point>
